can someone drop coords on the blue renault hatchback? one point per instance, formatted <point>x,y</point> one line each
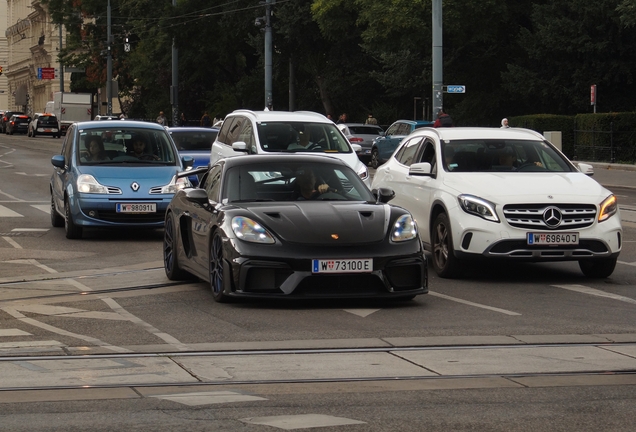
<point>114,174</point>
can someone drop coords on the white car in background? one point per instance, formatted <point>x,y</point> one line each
<point>261,132</point>
<point>502,193</point>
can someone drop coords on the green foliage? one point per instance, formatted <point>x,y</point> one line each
<point>549,123</point>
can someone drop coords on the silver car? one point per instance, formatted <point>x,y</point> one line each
<point>362,134</point>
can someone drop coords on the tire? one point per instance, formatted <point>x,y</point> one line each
<point>375,158</point>
<point>217,275</point>
<point>599,268</point>
<point>170,260</point>
<point>445,263</point>
<point>72,231</point>
<point>56,220</point>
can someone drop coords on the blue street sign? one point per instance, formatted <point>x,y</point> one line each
<point>39,73</point>
<point>455,89</point>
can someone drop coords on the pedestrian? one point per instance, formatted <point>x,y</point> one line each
<point>217,118</point>
<point>329,117</point>
<point>206,121</point>
<point>342,118</point>
<point>371,120</point>
<point>182,120</point>
<point>443,120</point>
<point>504,123</point>
<point>162,120</point>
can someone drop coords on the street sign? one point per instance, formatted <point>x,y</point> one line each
<point>48,73</point>
<point>455,89</point>
<point>127,47</point>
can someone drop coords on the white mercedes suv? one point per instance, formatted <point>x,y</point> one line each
<point>257,132</point>
<point>502,193</point>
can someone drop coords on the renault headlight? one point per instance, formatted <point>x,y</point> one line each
<point>175,185</point>
<point>251,231</point>
<point>608,208</point>
<point>478,207</point>
<point>86,183</point>
<point>404,229</point>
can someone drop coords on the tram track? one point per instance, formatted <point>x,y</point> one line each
<point>179,360</point>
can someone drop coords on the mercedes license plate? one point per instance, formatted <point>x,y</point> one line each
<point>553,239</point>
<point>342,265</point>
<point>137,208</point>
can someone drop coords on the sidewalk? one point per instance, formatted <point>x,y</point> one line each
<point>614,175</point>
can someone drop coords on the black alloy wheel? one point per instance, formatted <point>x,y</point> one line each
<point>170,260</point>
<point>216,269</point>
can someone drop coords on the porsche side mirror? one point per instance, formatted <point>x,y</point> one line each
<point>383,195</point>
<point>197,196</point>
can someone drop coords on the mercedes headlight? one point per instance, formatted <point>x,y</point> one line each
<point>478,207</point>
<point>175,185</point>
<point>608,207</point>
<point>251,231</point>
<point>363,173</point>
<point>86,183</point>
<point>404,229</point>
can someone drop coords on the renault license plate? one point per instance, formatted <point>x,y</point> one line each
<point>364,265</point>
<point>553,239</point>
<point>136,208</point>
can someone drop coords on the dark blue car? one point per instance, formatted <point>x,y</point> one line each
<point>384,146</point>
<point>195,142</point>
<point>114,174</point>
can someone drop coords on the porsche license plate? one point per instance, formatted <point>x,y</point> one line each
<point>553,239</point>
<point>137,208</point>
<point>342,266</point>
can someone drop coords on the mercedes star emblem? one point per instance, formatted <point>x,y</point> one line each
<point>552,217</point>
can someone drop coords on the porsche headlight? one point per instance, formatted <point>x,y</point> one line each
<point>175,185</point>
<point>404,229</point>
<point>608,208</point>
<point>251,231</point>
<point>86,183</point>
<point>478,207</point>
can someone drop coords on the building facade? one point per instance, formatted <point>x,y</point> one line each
<point>32,42</point>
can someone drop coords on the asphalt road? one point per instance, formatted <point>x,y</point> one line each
<point>515,347</point>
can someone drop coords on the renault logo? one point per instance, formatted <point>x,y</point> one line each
<point>552,217</point>
<point>134,186</point>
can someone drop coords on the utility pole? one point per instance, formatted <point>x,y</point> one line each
<point>269,103</point>
<point>61,65</point>
<point>109,67</point>
<point>438,93</point>
<point>174,88</point>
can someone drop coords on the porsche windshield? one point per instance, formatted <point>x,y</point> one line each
<point>129,145</point>
<point>290,181</point>
<point>302,137</point>
<point>499,155</point>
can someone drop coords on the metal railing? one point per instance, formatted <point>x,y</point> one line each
<point>605,145</point>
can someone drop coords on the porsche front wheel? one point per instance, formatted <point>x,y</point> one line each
<point>170,253</point>
<point>217,270</point>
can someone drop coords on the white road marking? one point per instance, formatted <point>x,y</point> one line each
<point>6,212</point>
<point>32,175</point>
<point>13,332</point>
<point>46,208</point>
<point>302,421</point>
<point>208,398</point>
<point>598,293</point>
<point>94,341</point>
<point>12,242</point>
<point>32,229</point>
<point>13,199</point>
<point>626,263</point>
<point>69,312</point>
<point>33,262</point>
<point>466,302</point>
<point>361,312</point>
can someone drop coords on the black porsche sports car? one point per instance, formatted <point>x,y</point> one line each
<point>292,226</point>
